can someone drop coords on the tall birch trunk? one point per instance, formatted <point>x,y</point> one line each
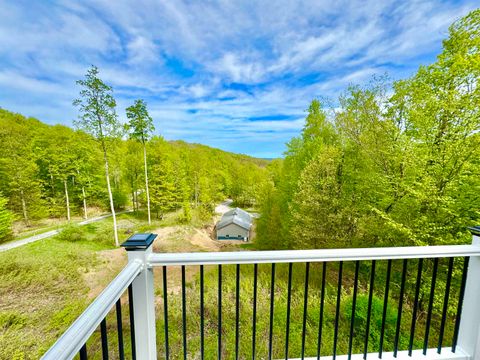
<point>24,207</point>
<point>133,200</point>
<point>67,199</point>
<point>112,207</point>
<point>146,181</point>
<point>85,214</point>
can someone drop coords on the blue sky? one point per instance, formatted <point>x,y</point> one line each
<point>237,75</point>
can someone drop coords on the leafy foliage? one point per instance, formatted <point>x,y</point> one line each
<point>35,167</point>
<point>6,219</point>
<point>390,166</point>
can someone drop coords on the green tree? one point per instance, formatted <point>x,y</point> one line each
<point>6,219</point>
<point>98,118</point>
<point>392,165</point>
<point>141,127</point>
<point>133,168</point>
<point>19,180</point>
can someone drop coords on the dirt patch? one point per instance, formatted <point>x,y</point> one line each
<point>202,238</point>
<point>178,238</point>
<point>112,261</point>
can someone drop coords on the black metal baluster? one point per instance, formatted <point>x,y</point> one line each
<point>254,320</point>
<point>320,320</point>
<point>121,351</point>
<point>337,311</point>
<point>305,305</point>
<point>103,331</point>
<point>219,355</point>
<point>132,322</point>
<point>272,303</point>
<point>460,303</point>
<point>385,306</point>
<point>400,306</point>
<point>83,352</point>
<point>202,311</point>
<point>369,310</point>
<point>165,312</point>
<point>445,304</point>
<point>415,306</point>
<point>184,315</point>
<point>430,306</point>
<point>289,300</point>
<point>354,304</point>
<point>237,311</point>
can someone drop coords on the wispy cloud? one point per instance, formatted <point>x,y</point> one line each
<point>237,75</point>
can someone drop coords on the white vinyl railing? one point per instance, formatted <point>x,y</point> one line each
<point>139,274</point>
<point>70,343</point>
<point>327,255</point>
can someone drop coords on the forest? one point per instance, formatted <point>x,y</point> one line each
<point>55,171</point>
<point>386,164</point>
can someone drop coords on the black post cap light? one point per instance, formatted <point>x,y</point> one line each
<point>139,242</point>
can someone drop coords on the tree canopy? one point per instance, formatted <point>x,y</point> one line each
<point>391,165</point>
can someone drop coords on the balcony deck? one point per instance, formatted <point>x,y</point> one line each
<point>458,266</point>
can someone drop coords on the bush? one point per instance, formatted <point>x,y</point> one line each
<point>12,319</point>
<point>186,216</point>
<point>361,310</point>
<point>104,235</point>
<point>72,233</point>
<point>120,200</point>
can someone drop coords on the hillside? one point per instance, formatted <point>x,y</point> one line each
<point>57,172</point>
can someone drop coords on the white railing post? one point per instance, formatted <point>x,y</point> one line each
<point>469,332</point>
<point>139,246</point>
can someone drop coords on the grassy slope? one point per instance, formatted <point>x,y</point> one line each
<point>42,290</point>
<point>45,285</point>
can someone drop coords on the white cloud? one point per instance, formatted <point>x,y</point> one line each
<point>142,50</point>
<point>239,70</point>
<point>183,56</point>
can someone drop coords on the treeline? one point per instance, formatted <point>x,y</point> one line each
<point>391,165</point>
<point>52,171</point>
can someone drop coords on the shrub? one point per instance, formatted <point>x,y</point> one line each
<point>12,319</point>
<point>104,235</point>
<point>361,310</point>
<point>186,216</point>
<point>120,199</point>
<point>72,233</point>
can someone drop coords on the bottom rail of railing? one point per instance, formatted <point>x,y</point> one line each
<point>432,354</point>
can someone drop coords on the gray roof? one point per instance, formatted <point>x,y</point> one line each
<point>236,216</point>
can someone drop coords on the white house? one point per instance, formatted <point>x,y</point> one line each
<point>234,225</point>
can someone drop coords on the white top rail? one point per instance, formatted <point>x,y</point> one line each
<point>287,256</point>
<point>69,344</point>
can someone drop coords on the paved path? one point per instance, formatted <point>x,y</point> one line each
<point>15,244</point>
<point>223,207</point>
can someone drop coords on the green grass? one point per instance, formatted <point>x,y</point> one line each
<point>44,287</point>
<point>280,315</point>
<point>41,288</point>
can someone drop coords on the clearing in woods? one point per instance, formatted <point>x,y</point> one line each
<point>176,238</point>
